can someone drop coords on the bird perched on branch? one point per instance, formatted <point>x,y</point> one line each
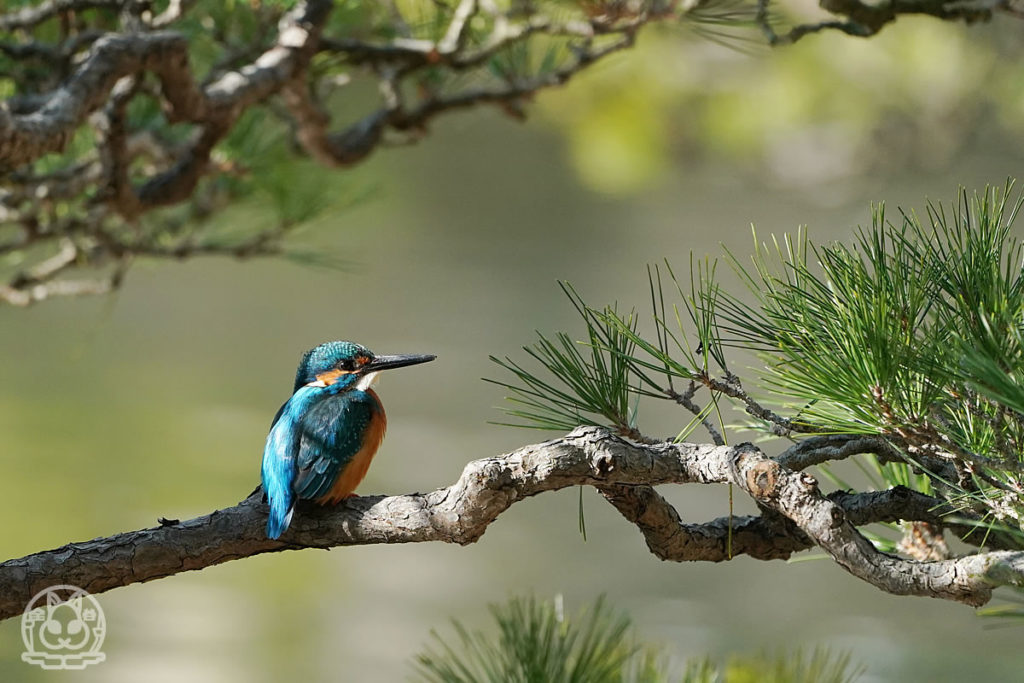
<point>323,438</point>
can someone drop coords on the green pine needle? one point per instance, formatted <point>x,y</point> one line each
<point>592,381</point>
<point>533,642</point>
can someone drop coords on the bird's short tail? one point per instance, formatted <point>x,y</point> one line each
<point>281,509</point>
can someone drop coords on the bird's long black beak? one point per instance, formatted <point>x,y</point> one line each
<point>388,362</point>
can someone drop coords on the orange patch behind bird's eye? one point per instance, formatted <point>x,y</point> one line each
<point>331,376</point>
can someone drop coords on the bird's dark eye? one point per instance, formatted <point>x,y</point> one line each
<point>347,364</point>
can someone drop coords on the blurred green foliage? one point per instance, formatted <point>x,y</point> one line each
<point>825,109</point>
<point>537,643</point>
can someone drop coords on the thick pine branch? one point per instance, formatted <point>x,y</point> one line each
<point>797,516</point>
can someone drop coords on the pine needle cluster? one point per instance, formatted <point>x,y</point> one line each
<point>535,642</point>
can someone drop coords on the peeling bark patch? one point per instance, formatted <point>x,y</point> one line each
<point>761,479</point>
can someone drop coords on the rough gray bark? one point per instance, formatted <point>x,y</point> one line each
<point>796,516</point>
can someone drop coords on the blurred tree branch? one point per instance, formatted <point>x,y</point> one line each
<point>795,516</point>
<point>126,124</point>
<point>866,19</point>
<point>108,119</point>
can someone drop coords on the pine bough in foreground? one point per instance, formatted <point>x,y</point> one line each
<point>903,349</point>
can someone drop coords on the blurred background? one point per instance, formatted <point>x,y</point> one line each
<point>156,401</point>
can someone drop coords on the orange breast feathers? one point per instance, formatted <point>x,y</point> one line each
<point>353,474</point>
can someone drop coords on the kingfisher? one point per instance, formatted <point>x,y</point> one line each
<point>323,438</point>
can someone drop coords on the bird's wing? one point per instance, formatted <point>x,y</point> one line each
<point>333,431</point>
<point>279,461</point>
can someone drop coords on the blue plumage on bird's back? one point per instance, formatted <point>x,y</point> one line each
<point>305,449</point>
<point>365,445</point>
<point>326,451</point>
<point>279,459</point>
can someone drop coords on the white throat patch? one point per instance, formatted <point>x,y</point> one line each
<point>366,381</point>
